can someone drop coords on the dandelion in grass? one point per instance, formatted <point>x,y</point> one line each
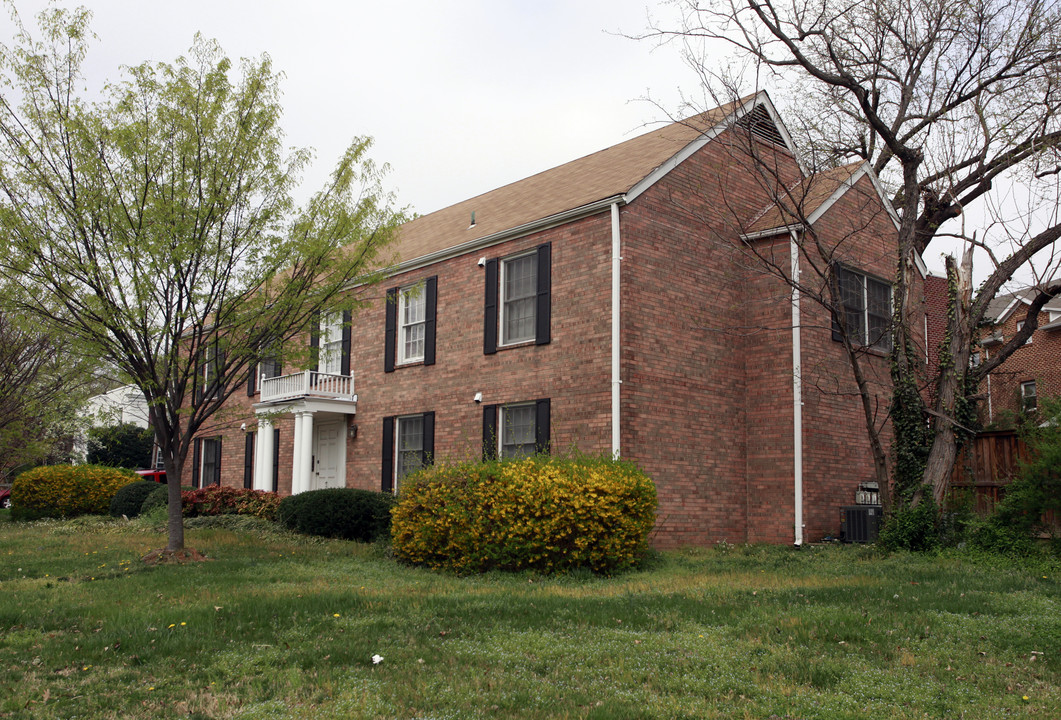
<point>377,659</point>
<point>183,624</point>
<point>335,614</point>
<point>171,626</point>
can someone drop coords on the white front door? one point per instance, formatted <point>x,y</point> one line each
<point>328,456</point>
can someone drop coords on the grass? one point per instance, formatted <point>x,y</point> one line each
<point>277,626</point>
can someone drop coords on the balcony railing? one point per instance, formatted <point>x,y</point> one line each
<point>308,383</point>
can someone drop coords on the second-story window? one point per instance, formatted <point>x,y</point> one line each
<point>867,308</point>
<point>518,302</point>
<point>519,287</point>
<point>331,343</point>
<point>409,330</point>
<point>411,324</point>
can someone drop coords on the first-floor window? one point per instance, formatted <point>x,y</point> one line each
<point>516,429</point>
<point>408,445</point>
<point>206,463</point>
<point>409,454</point>
<point>1029,399</point>
<point>866,305</point>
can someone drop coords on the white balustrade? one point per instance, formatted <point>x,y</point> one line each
<point>308,383</point>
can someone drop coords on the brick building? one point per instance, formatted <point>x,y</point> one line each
<point>1032,371</point>
<point>631,301</point>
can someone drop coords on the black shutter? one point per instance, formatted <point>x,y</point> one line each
<point>248,462</point>
<point>315,341</point>
<point>197,383</point>
<point>217,461</point>
<point>276,460</point>
<point>838,335</point>
<point>344,363</point>
<point>387,474</point>
<point>196,455</point>
<point>541,426</point>
<point>390,329</point>
<point>489,432</point>
<point>431,300</point>
<point>252,376</point>
<point>542,334</point>
<point>490,309</point>
<point>427,455</point>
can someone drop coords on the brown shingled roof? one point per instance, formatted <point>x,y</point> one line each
<point>607,173</point>
<point>801,201</point>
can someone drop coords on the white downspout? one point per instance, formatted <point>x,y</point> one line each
<point>616,344</point>
<point>797,398</point>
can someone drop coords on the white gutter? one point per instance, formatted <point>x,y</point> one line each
<point>797,399</point>
<point>616,328</point>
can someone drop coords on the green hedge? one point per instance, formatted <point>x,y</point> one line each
<point>543,513</point>
<point>66,490</point>
<point>130,498</point>
<point>347,513</point>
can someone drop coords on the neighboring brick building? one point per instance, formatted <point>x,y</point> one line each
<point>1032,371</point>
<point>610,304</point>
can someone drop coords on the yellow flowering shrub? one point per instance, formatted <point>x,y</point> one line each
<point>67,490</point>
<point>542,513</point>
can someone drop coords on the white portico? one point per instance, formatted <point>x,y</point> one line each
<point>322,405</point>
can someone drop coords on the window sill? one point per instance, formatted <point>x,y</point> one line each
<point>408,364</point>
<point>521,343</point>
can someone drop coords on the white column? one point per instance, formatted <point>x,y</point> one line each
<point>263,455</point>
<point>296,460</point>
<point>307,451</point>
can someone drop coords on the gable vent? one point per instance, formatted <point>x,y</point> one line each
<point>759,123</point>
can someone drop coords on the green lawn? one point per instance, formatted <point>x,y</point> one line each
<point>276,626</point>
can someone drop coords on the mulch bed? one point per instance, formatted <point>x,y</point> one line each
<point>174,557</point>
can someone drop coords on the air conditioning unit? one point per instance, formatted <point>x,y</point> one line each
<point>860,523</point>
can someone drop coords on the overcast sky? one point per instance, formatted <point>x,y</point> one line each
<point>461,97</point>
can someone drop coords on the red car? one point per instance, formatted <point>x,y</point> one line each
<point>158,476</point>
<point>5,497</point>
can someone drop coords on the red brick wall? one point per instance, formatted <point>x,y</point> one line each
<point>837,453</point>
<point>1039,361</point>
<point>707,404</point>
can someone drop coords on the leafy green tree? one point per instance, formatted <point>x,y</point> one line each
<point>125,446</point>
<point>42,385</point>
<point>156,223</point>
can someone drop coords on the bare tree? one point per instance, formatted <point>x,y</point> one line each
<point>944,99</point>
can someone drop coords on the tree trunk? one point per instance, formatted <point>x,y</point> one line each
<point>174,507</point>
<point>950,385</point>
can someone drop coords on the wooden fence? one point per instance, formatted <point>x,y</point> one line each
<point>986,466</point>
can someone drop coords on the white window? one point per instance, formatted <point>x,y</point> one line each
<point>212,359</point>
<point>1020,326</point>
<point>331,343</point>
<point>518,430</point>
<point>974,359</point>
<point>519,287</point>
<point>412,307</point>
<point>1029,400</point>
<point>409,442</point>
<point>867,308</point>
